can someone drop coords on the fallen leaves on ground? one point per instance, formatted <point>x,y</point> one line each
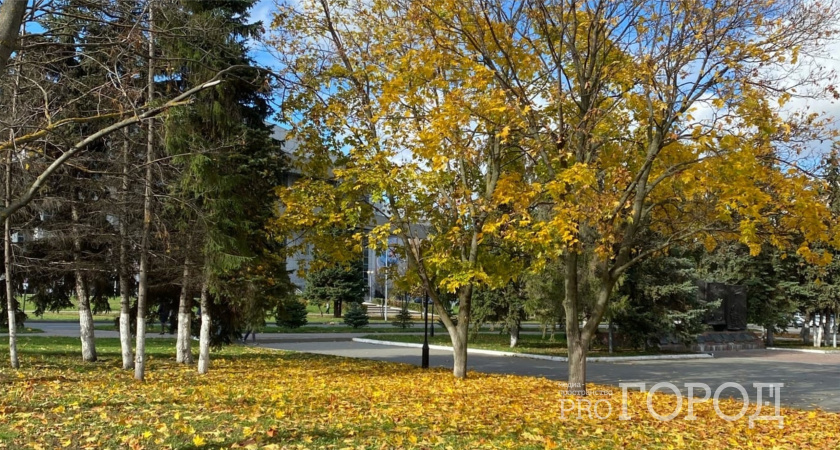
<point>255,398</point>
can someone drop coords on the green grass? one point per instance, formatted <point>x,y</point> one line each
<point>303,330</point>
<point>70,314</point>
<point>533,344</point>
<point>797,344</point>
<point>25,330</point>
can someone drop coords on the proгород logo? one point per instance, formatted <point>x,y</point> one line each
<point>596,406</point>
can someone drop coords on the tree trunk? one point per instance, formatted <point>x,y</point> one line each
<point>610,335</point>
<point>337,309</point>
<point>86,334</point>
<point>769,336</point>
<point>460,333</point>
<point>514,334</point>
<point>143,288</point>
<point>574,340</point>
<point>204,339</point>
<point>459,352</point>
<point>183,346</point>
<point>826,332</point>
<point>805,332</point>
<point>7,20</point>
<point>125,273</point>
<point>818,332</point>
<point>11,18</point>
<point>7,255</point>
<point>578,349</point>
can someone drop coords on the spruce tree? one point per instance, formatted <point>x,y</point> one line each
<point>356,316</point>
<point>220,144</point>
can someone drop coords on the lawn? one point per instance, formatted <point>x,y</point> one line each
<point>528,343</point>
<point>70,314</point>
<point>797,344</point>
<point>155,326</point>
<point>24,330</point>
<point>258,398</point>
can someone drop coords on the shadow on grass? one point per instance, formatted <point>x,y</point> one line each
<point>314,438</point>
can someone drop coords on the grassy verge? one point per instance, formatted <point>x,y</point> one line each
<point>304,330</point>
<point>24,330</point>
<point>257,398</point>
<point>533,344</point>
<point>799,345</point>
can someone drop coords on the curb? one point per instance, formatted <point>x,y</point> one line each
<point>805,350</point>
<point>479,351</point>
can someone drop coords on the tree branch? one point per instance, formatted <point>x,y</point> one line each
<point>80,145</point>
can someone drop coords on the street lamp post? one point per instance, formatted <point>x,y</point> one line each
<point>385,300</point>
<point>424,362</point>
<point>371,294</point>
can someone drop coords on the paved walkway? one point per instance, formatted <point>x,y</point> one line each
<point>810,380</point>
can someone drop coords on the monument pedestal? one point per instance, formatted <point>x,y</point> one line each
<point>723,341</point>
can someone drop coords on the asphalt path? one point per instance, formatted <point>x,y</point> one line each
<point>810,380</point>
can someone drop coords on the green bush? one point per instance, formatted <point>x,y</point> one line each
<point>356,316</point>
<point>291,313</point>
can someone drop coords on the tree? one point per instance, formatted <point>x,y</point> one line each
<point>505,305</point>
<point>403,318</point>
<point>291,313</point>
<point>356,316</point>
<point>567,129</point>
<point>544,289</point>
<point>606,98</point>
<point>337,284</point>
<point>121,110</point>
<point>381,137</point>
<point>660,297</point>
<point>228,164</point>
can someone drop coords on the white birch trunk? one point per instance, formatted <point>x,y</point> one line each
<point>818,328</point>
<point>125,280</point>
<point>204,339</point>
<point>826,332</point>
<point>7,224</point>
<point>143,288</point>
<point>183,344</point>
<point>86,335</point>
<point>10,298</point>
<point>514,335</point>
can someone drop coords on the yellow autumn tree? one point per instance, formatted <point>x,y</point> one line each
<point>559,128</point>
<point>421,147</point>
<point>637,116</point>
